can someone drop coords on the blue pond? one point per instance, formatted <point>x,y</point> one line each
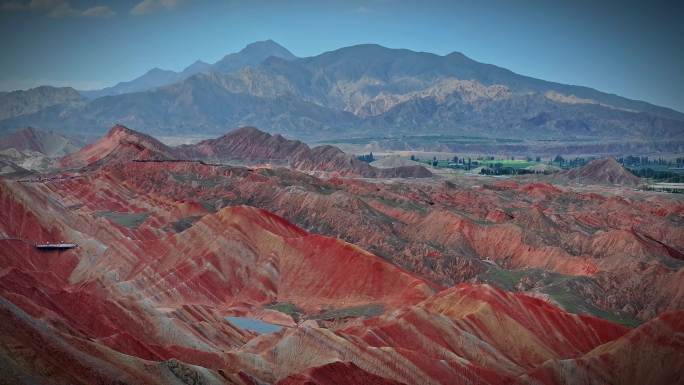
<point>254,325</point>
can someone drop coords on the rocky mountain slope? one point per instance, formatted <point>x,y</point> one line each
<point>366,89</point>
<point>17,103</point>
<point>8,165</point>
<point>33,149</point>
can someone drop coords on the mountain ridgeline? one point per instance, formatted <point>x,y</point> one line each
<point>358,91</point>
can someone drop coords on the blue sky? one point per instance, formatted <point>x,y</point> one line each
<point>631,48</point>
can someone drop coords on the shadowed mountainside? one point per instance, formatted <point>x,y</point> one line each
<point>32,139</point>
<point>17,103</point>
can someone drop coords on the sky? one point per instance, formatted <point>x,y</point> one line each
<point>632,48</point>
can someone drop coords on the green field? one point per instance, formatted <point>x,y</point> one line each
<point>517,163</point>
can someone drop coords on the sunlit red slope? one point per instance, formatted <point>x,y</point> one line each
<point>242,255</point>
<point>468,334</point>
<point>624,252</point>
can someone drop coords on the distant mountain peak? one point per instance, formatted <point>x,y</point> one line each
<point>198,66</point>
<point>156,71</point>
<point>253,54</point>
<point>263,44</point>
<point>265,49</point>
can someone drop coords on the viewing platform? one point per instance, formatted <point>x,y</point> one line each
<point>55,246</point>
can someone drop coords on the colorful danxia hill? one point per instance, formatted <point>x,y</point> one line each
<point>370,276</point>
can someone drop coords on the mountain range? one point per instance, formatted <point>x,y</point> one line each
<point>356,91</point>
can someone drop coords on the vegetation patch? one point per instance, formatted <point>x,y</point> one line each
<point>326,190</point>
<point>209,205</point>
<point>558,288</point>
<point>128,220</point>
<point>370,310</point>
<point>285,307</point>
<point>184,223</point>
<point>195,181</point>
<point>505,279</point>
<point>573,303</point>
<point>404,205</point>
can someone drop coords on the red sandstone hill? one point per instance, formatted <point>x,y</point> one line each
<point>121,144</point>
<point>601,171</point>
<point>246,144</point>
<point>251,145</point>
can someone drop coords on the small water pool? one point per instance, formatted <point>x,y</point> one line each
<point>253,324</point>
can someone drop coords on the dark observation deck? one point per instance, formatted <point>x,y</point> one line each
<point>55,246</point>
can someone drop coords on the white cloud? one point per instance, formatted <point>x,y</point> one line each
<point>150,6</point>
<point>56,8</point>
<point>98,11</point>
